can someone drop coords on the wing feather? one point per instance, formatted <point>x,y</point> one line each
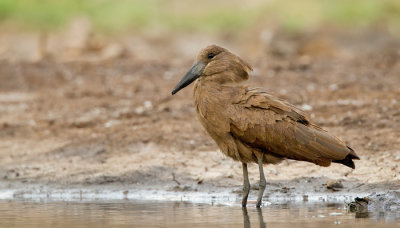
<point>282,129</point>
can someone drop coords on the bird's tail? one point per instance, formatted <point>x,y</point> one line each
<point>348,160</point>
<point>322,148</point>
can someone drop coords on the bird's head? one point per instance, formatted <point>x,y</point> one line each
<point>215,64</point>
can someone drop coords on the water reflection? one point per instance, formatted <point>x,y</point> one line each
<point>260,218</point>
<point>246,219</point>
<point>181,214</point>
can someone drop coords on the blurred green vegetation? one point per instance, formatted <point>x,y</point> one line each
<point>112,15</point>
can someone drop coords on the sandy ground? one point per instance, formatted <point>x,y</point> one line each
<point>105,116</point>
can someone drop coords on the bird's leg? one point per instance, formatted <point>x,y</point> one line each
<point>263,183</point>
<point>246,185</point>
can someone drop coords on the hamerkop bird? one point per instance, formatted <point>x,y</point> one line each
<point>250,125</point>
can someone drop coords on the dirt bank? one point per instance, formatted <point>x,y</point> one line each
<point>91,122</point>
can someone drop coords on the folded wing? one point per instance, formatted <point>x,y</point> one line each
<point>279,128</point>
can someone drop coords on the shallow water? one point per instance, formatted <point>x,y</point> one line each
<point>128,213</point>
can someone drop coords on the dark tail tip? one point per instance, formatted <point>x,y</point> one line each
<point>347,161</point>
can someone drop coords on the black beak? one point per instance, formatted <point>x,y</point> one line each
<point>190,76</point>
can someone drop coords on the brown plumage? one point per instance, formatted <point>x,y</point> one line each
<point>250,125</point>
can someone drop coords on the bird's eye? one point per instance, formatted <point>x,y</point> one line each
<point>211,55</point>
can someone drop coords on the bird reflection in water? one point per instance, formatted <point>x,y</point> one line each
<point>246,219</point>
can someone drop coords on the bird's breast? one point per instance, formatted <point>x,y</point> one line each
<point>212,106</point>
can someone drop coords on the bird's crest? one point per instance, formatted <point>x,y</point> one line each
<point>223,66</point>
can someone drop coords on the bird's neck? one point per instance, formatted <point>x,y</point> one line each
<point>212,91</point>
<point>206,87</point>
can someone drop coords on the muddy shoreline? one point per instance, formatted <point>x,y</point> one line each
<point>313,192</point>
<point>95,124</point>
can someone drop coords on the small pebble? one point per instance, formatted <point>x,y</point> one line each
<point>334,185</point>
